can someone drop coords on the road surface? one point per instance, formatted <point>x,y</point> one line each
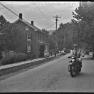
<point>52,76</point>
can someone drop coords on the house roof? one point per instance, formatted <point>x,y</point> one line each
<point>23,21</point>
<point>27,23</point>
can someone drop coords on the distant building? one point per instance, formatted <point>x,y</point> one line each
<point>27,37</point>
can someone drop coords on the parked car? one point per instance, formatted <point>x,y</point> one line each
<point>63,52</point>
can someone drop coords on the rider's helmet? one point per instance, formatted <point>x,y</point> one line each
<point>75,46</point>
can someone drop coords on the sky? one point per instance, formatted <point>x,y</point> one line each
<point>42,13</point>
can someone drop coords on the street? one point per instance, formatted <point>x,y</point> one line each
<point>52,76</point>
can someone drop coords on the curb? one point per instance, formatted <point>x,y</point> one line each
<point>6,70</point>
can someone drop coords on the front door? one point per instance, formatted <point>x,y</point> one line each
<point>41,50</point>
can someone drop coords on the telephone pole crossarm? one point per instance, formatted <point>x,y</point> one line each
<point>56,20</point>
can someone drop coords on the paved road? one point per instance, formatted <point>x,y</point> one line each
<point>52,76</point>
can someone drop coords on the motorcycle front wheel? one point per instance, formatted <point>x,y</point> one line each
<point>73,74</point>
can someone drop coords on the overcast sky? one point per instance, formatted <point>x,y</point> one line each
<point>40,12</point>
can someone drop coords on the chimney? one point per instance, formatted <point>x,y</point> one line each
<point>20,15</point>
<point>32,23</point>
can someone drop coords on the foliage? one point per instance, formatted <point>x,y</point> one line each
<point>84,16</point>
<point>64,35</point>
<point>13,57</point>
<point>3,22</point>
<point>51,42</point>
<point>45,31</point>
<point>3,38</point>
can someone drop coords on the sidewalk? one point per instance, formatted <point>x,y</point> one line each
<point>19,63</point>
<point>6,69</point>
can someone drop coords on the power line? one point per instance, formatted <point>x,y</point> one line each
<point>24,19</point>
<point>9,9</point>
<point>16,13</point>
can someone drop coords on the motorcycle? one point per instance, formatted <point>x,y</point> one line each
<point>74,67</point>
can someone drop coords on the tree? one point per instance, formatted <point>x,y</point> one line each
<point>44,31</point>
<point>64,35</point>
<point>3,21</point>
<point>61,26</point>
<point>52,45</point>
<point>84,16</point>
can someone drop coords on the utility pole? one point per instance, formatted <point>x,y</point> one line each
<point>56,20</point>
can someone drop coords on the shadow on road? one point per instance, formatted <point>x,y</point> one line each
<point>88,59</point>
<point>85,75</point>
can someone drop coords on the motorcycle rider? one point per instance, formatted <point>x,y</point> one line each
<point>77,54</point>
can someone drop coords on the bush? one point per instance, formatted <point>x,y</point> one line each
<point>20,57</point>
<point>13,58</point>
<point>33,56</point>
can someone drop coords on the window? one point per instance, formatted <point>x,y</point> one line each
<point>29,45</point>
<point>29,49</point>
<point>29,35</point>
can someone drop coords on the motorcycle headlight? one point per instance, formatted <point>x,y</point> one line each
<point>72,57</point>
<point>73,60</point>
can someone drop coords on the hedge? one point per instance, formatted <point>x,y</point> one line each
<point>13,58</point>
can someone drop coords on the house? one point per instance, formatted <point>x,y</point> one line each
<point>26,38</point>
